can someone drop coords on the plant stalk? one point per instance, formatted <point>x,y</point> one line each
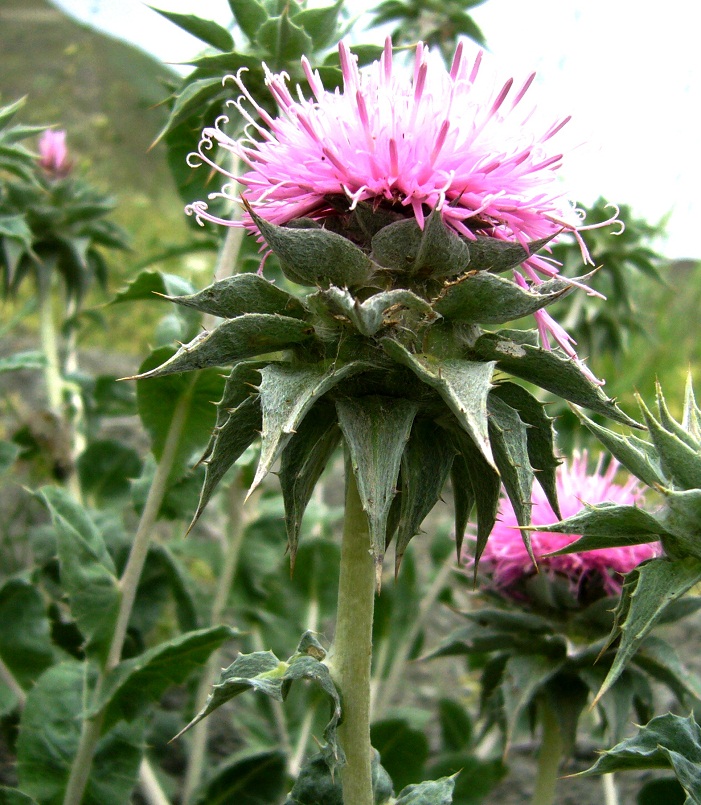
<point>608,785</point>
<point>232,548</point>
<point>352,648</point>
<point>150,787</point>
<point>49,344</point>
<point>549,755</point>
<point>92,727</point>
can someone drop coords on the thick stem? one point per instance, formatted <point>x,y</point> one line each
<point>92,727</point>
<point>352,649</point>
<point>232,548</point>
<point>549,756</point>
<point>608,784</point>
<point>49,344</point>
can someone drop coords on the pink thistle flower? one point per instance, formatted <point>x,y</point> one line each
<point>439,139</point>
<point>53,154</point>
<point>505,560</point>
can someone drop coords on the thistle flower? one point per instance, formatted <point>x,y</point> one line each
<point>53,154</point>
<point>506,562</point>
<point>439,139</point>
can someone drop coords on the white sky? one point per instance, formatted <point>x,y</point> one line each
<point>625,69</point>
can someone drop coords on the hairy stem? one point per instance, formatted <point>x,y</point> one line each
<point>352,648</point>
<point>232,547</point>
<point>91,728</point>
<point>549,755</point>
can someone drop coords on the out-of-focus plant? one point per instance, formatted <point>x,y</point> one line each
<point>624,262</point>
<point>53,226</point>
<point>437,23</point>
<point>543,650</point>
<point>670,463</point>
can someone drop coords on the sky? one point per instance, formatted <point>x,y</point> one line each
<point>627,74</point>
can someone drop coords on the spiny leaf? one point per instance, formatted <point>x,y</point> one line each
<point>246,336</point>
<point>206,30</point>
<point>376,430</point>
<point>250,15</point>
<point>647,591</point>
<point>315,256</point>
<point>287,394</point>
<point>480,296</point>
<point>691,420</point>
<point>550,371</point>
<point>497,256</point>
<point>431,792</point>
<point>426,462</point>
<point>669,423</point>
<point>631,455</point>
<point>540,436</point>
<point>242,293</point>
<point>679,461</point>
<point>463,500</point>
<point>463,385</point>
<point>301,465</point>
<point>369,316</point>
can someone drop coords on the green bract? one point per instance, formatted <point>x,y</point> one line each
<point>386,353</point>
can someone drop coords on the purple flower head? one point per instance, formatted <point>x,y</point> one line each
<point>441,139</point>
<point>53,154</point>
<point>507,565</point>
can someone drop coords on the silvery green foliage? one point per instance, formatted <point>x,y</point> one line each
<point>386,353</point>
<point>670,463</point>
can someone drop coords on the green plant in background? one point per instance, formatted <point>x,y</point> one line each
<point>55,227</point>
<point>543,651</point>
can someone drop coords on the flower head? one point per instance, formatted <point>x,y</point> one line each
<point>435,139</point>
<point>53,154</point>
<point>506,562</point>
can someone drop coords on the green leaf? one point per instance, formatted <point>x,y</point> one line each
<point>463,385</point>
<point>242,293</point>
<point>22,360</point>
<point>206,30</point>
<point>647,591</point>
<point>475,777</point>
<point>320,23</point>
<point>370,316</point>
<point>480,296</point>
<point>248,778</point>
<point>524,677</point>
<point>668,741</point>
<point>239,422</point>
<point>287,394</point>
<point>25,631</point>
<point>662,791</point>
<point>8,455</point>
<point>606,526</point>
<point>148,284</point>
<point>16,228</point>
<point>157,400</point>
<point>376,430</point>
<point>456,725</point>
<point>659,659</point>
<point>246,336</point>
<point>87,571</point>
<point>106,468</point>
<point>194,96</point>
<point>681,518</point>
<point>691,419</point>
<point>283,39</point>
<point>438,792</point>
<point>11,796</point>
<point>679,461</point>
<point>48,739</point>
<point>403,749</point>
<point>315,256</point>
<point>633,457</point>
<point>250,16</point>
<point>497,256</point>
<point>303,460</point>
<point>508,437</point>
<point>463,499</point>
<point>540,436</point>
<point>550,371</point>
<point>403,246</point>
<point>136,683</point>
<point>426,462</point>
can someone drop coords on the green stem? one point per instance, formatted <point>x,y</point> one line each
<point>92,727</point>
<point>49,344</point>
<point>549,755</point>
<point>149,786</point>
<point>9,679</point>
<point>608,784</point>
<point>352,648</point>
<point>232,548</point>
